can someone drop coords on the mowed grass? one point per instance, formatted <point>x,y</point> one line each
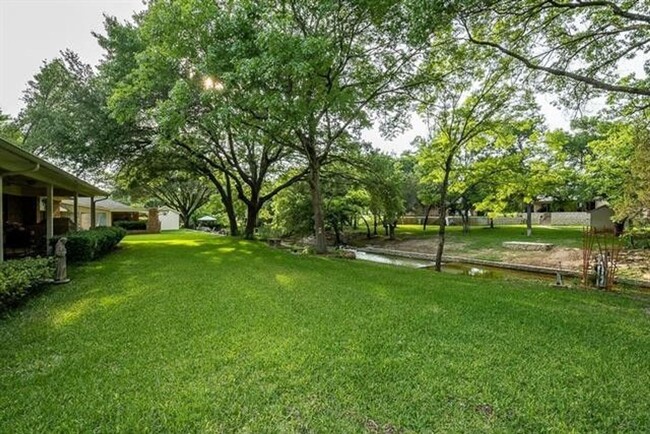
<point>185,332</point>
<point>481,237</point>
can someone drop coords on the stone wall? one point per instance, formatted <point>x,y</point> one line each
<point>548,219</point>
<point>570,219</point>
<point>516,220</point>
<point>538,218</point>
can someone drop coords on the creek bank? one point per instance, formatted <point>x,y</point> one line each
<point>449,259</point>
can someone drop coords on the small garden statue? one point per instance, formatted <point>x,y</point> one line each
<point>61,266</point>
<point>558,275</point>
<point>601,270</point>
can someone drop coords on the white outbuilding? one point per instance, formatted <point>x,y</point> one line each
<point>170,220</point>
<point>602,218</point>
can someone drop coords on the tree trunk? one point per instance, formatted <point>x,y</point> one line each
<point>391,231</point>
<point>426,218</point>
<point>320,245</point>
<point>529,219</point>
<point>367,226</point>
<point>225,193</point>
<point>466,222</point>
<point>491,222</point>
<point>229,204</point>
<point>443,214</point>
<point>187,222</point>
<point>375,223</point>
<point>232,218</point>
<point>441,234</point>
<point>252,210</point>
<point>337,232</point>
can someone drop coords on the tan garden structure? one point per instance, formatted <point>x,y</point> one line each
<point>32,191</point>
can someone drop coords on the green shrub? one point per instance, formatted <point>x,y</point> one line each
<point>138,225</point>
<point>89,245</point>
<point>265,232</point>
<point>637,238</point>
<point>19,277</point>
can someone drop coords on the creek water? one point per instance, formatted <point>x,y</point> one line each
<point>479,271</point>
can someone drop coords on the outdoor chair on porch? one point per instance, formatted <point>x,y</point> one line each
<point>19,241</point>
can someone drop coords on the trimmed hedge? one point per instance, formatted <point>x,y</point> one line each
<point>19,277</point>
<point>84,246</point>
<point>138,225</point>
<point>637,238</point>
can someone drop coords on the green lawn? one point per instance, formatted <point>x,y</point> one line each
<point>186,332</point>
<point>481,237</point>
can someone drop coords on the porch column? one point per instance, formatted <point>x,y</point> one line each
<point>76,210</point>
<point>49,217</point>
<point>2,224</point>
<point>93,213</point>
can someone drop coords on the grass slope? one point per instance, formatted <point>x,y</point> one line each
<point>190,333</point>
<point>481,237</point>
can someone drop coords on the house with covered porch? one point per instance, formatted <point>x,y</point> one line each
<point>107,211</point>
<point>32,192</point>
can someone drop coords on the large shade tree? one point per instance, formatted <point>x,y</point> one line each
<point>579,45</point>
<point>470,97</point>
<point>310,73</point>
<point>617,167</point>
<point>197,113</point>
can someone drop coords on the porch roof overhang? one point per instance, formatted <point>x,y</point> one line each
<point>17,162</point>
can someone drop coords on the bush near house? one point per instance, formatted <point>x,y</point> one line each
<point>19,277</point>
<point>89,245</point>
<point>129,225</point>
<point>637,238</point>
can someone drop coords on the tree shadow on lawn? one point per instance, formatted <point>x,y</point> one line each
<point>147,269</point>
<point>248,330</point>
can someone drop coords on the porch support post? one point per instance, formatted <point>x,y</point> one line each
<point>49,217</point>
<point>76,210</point>
<point>93,213</point>
<point>2,223</point>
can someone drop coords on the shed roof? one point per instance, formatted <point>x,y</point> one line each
<point>15,161</point>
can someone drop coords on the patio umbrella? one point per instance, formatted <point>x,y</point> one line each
<point>207,218</point>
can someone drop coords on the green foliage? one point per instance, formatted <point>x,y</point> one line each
<point>637,238</point>
<point>84,246</point>
<point>19,277</point>
<point>384,181</point>
<point>156,181</point>
<point>528,169</point>
<point>64,118</point>
<point>9,130</point>
<point>292,212</point>
<point>373,184</point>
<point>130,225</point>
<point>585,44</point>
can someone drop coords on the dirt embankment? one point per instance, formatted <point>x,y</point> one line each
<point>633,264</point>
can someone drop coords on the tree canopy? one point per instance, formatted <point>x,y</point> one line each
<point>257,109</point>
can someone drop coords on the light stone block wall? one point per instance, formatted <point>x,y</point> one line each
<point>516,220</point>
<point>570,218</point>
<point>538,218</point>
